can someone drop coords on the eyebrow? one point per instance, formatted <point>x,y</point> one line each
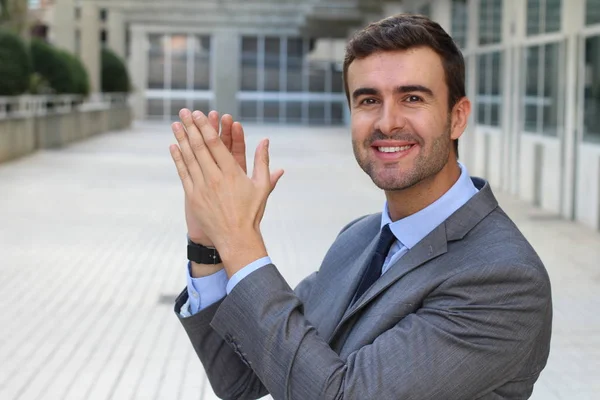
<point>400,89</point>
<point>414,88</point>
<point>364,91</point>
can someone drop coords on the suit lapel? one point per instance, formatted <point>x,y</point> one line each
<point>431,246</point>
<point>334,301</point>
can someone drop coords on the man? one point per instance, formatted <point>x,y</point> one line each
<point>437,297</point>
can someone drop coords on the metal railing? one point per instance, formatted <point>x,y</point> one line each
<point>31,106</point>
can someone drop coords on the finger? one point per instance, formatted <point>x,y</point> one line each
<point>182,170</point>
<point>213,117</point>
<point>209,168</point>
<point>226,123</point>
<point>238,145</point>
<point>213,143</point>
<point>186,151</point>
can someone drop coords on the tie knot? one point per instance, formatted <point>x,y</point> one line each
<point>386,238</point>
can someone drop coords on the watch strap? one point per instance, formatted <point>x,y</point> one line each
<point>202,254</point>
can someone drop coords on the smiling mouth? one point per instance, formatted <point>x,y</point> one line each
<point>396,149</point>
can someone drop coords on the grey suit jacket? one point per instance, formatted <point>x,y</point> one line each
<point>465,314</point>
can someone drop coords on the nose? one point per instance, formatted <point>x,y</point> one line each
<point>391,118</point>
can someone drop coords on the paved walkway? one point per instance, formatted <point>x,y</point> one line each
<point>92,253</point>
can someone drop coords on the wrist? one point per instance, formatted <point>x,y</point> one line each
<point>241,251</point>
<point>203,270</point>
<point>201,240</point>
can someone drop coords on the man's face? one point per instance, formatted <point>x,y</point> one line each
<point>401,131</point>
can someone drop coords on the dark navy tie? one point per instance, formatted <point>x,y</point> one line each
<point>373,271</point>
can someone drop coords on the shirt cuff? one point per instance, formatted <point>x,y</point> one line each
<point>205,291</point>
<point>247,270</point>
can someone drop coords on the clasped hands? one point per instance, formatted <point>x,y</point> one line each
<point>221,198</point>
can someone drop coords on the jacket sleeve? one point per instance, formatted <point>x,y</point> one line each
<point>470,336</point>
<point>228,370</point>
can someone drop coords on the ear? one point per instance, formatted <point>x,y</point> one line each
<point>460,117</point>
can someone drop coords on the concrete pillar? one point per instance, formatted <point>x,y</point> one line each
<point>441,12</point>
<point>138,62</point>
<point>513,33</point>
<point>62,29</point>
<point>116,31</point>
<point>573,18</point>
<point>467,142</point>
<point>225,71</point>
<point>90,42</point>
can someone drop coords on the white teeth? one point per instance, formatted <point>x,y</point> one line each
<point>393,149</point>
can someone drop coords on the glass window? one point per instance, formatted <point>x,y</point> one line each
<point>249,110</point>
<point>543,16</point>
<point>176,106</point>
<point>459,22</point>
<point>489,89</point>
<point>293,112</point>
<point>542,102</point>
<point>317,77</point>
<point>425,10</point>
<point>156,62</point>
<point>481,89</point>
<point>490,21</point>
<point>295,55</point>
<point>337,80</point>
<point>553,11</point>
<point>592,12</point>
<point>201,105</point>
<point>316,112</point>
<point>271,111</point>
<point>534,15</point>
<point>591,115</point>
<point>337,113</point>
<point>155,108</point>
<point>272,64</point>
<point>179,51</point>
<point>249,63</point>
<point>552,108</point>
<point>291,66</point>
<point>532,67</point>
<point>201,45</point>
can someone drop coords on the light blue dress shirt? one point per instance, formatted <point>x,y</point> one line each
<point>408,232</point>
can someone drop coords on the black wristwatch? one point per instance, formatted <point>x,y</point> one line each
<point>202,254</point>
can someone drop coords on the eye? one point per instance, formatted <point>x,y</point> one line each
<point>413,99</point>
<point>368,101</point>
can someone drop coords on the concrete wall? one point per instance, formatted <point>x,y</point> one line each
<point>22,136</point>
<point>540,172</point>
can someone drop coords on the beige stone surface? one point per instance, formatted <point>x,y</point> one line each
<point>92,251</point>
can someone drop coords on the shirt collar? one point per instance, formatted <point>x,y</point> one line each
<point>412,229</point>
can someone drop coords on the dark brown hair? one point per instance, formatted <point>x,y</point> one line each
<point>403,32</point>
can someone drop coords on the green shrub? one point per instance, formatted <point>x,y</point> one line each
<point>53,66</point>
<point>81,84</point>
<point>114,75</point>
<point>15,65</point>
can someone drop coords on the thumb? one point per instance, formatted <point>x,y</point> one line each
<point>261,173</point>
<point>275,176</point>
